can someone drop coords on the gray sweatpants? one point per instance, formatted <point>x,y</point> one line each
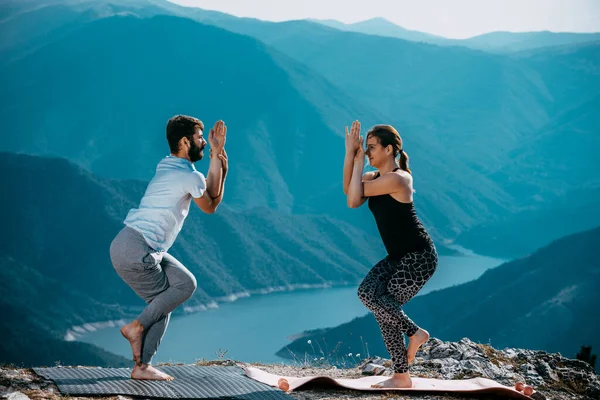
<point>157,277</point>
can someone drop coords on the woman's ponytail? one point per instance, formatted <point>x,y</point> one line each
<point>404,161</point>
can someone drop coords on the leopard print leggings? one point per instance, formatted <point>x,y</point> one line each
<point>387,287</point>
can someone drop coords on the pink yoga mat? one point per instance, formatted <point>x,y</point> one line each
<point>479,385</point>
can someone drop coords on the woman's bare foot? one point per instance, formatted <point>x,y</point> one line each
<point>134,332</point>
<point>148,372</point>
<point>396,381</point>
<point>415,341</point>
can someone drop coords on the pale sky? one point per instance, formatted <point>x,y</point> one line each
<point>449,18</point>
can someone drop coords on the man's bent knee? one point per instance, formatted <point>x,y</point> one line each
<point>188,286</point>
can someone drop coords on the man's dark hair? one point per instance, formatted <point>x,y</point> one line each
<point>181,126</point>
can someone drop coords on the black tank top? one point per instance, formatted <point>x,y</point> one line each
<point>398,224</point>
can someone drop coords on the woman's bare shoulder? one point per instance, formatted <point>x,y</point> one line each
<point>404,177</point>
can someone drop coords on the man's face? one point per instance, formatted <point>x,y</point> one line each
<point>197,145</point>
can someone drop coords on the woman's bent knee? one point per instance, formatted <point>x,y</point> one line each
<point>366,296</point>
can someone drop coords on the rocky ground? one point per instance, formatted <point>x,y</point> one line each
<point>551,375</point>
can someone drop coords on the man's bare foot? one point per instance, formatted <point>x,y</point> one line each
<point>396,381</point>
<point>148,372</point>
<point>415,341</point>
<point>134,332</point>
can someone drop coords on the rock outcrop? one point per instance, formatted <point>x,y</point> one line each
<point>551,375</point>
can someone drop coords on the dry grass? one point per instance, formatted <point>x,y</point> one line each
<point>496,357</point>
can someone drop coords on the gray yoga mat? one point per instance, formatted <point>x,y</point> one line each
<point>191,382</point>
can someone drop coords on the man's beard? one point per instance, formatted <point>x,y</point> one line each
<point>195,152</point>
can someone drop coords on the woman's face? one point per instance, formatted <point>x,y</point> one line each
<point>375,152</point>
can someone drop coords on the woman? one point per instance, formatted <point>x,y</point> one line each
<point>412,257</point>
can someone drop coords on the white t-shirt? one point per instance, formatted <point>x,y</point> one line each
<point>166,203</point>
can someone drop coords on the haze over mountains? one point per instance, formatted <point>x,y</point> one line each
<point>497,42</point>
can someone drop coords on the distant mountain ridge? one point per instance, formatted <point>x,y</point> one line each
<point>496,42</point>
<point>383,27</point>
